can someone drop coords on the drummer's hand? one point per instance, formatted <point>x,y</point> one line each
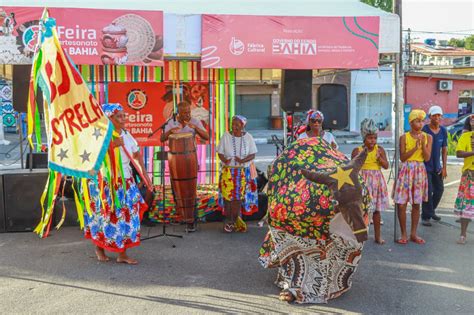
<point>174,130</point>
<point>118,142</point>
<point>190,125</point>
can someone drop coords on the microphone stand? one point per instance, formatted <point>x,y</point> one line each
<point>163,158</point>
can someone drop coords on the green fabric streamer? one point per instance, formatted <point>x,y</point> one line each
<point>124,185</point>
<point>121,73</point>
<point>92,79</point>
<point>51,196</point>
<point>184,66</point>
<point>221,107</point>
<point>80,189</point>
<point>156,166</point>
<point>221,75</point>
<point>85,72</point>
<point>38,130</point>
<point>158,74</point>
<point>232,95</point>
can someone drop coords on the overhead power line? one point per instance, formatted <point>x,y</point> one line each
<point>440,33</point>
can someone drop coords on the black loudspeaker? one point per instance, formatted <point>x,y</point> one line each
<point>332,102</point>
<point>2,208</point>
<point>40,160</point>
<point>22,193</point>
<point>295,94</point>
<point>21,82</point>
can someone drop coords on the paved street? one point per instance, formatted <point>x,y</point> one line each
<point>212,272</point>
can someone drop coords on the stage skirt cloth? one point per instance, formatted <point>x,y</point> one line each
<point>412,183</point>
<point>375,183</point>
<point>119,229</point>
<point>464,205</point>
<point>236,183</point>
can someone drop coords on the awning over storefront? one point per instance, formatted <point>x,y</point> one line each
<point>389,27</point>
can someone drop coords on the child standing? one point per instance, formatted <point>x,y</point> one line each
<point>372,174</point>
<point>464,206</point>
<point>412,183</point>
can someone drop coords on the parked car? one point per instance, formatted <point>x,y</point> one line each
<point>455,129</point>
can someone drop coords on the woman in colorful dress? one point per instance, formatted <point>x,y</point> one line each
<point>411,185</point>
<point>314,128</point>
<point>237,184</point>
<point>372,174</point>
<point>464,206</point>
<point>115,202</point>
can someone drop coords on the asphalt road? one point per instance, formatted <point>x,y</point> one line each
<point>213,272</point>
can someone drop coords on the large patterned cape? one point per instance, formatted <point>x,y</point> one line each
<point>308,241</point>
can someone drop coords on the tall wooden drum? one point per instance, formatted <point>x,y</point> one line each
<point>183,167</point>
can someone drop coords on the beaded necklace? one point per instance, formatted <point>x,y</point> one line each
<point>242,145</point>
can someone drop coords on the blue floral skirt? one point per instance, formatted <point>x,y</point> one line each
<point>114,228</point>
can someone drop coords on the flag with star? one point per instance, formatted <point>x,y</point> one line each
<point>77,130</point>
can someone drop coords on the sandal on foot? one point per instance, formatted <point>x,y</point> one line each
<point>228,228</point>
<point>380,241</point>
<point>401,241</point>
<point>417,240</point>
<point>462,240</point>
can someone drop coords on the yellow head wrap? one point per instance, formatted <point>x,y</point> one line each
<point>416,114</point>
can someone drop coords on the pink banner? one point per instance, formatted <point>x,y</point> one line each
<point>89,36</point>
<point>238,41</point>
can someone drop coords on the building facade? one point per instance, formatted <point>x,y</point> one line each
<point>454,93</point>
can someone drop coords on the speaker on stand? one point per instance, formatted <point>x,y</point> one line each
<point>332,102</point>
<point>295,95</point>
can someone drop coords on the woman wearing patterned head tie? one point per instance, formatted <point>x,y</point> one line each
<point>412,182</point>
<point>114,224</point>
<point>314,122</point>
<point>237,186</point>
<point>372,174</point>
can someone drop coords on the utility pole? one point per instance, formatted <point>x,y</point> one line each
<point>398,78</point>
<point>408,48</point>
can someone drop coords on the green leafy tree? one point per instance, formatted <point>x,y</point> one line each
<point>469,42</point>
<point>456,42</point>
<point>386,5</point>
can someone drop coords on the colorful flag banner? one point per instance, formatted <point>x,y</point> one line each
<point>77,130</point>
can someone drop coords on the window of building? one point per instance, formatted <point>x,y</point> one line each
<point>458,62</point>
<point>466,93</point>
